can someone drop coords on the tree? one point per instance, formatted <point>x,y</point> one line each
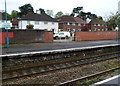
<point>8,16</point>
<point>100,17</point>
<point>59,14</point>
<point>42,11</point>
<point>25,9</point>
<point>78,11</point>
<point>49,12</point>
<point>14,13</point>
<point>111,22</point>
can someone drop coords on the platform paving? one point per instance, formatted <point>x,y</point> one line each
<point>55,45</point>
<point>113,81</point>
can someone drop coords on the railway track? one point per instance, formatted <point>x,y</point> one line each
<point>75,81</point>
<point>57,65</point>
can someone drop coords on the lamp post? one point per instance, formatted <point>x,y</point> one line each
<point>117,29</point>
<point>7,39</point>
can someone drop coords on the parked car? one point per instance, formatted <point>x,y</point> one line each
<point>62,35</point>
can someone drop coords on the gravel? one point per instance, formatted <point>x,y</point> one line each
<point>64,75</point>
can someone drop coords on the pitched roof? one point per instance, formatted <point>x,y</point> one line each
<point>67,18</point>
<point>38,17</point>
<point>79,20</point>
<point>97,21</point>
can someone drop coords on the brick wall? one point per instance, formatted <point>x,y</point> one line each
<point>30,36</point>
<point>48,36</point>
<point>100,35</point>
<point>3,36</point>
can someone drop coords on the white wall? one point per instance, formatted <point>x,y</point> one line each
<point>22,25</point>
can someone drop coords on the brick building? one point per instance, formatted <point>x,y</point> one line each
<point>70,23</point>
<point>96,24</point>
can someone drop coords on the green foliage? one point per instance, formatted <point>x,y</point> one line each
<point>42,11</point>
<point>59,14</point>
<point>30,26</point>
<point>8,16</point>
<point>111,22</point>
<point>14,13</point>
<point>49,12</point>
<point>84,15</point>
<point>25,9</point>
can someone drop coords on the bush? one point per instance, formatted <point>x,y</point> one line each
<point>30,26</point>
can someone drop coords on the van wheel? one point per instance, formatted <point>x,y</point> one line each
<point>56,37</point>
<point>67,37</point>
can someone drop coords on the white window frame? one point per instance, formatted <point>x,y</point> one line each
<point>98,29</point>
<point>68,23</point>
<point>28,22</point>
<point>79,24</point>
<point>37,22</point>
<point>45,22</point>
<point>73,24</point>
<point>79,29</point>
<point>53,23</point>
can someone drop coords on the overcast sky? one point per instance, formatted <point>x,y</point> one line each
<point>100,7</point>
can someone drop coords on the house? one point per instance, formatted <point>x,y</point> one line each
<point>15,23</point>
<point>3,21</point>
<point>70,23</point>
<point>40,21</point>
<point>96,24</point>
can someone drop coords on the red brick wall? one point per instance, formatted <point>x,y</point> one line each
<point>3,36</point>
<point>26,36</point>
<point>48,36</point>
<point>100,35</point>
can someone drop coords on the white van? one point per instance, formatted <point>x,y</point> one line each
<point>62,34</point>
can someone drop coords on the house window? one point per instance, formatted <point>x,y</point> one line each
<point>79,29</point>
<point>98,24</point>
<point>53,23</point>
<point>53,29</point>
<point>68,23</point>
<point>37,22</point>
<point>28,22</point>
<point>45,22</point>
<point>74,30</point>
<point>82,24</point>
<point>95,29</point>
<point>79,24</point>
<point>73,24</point>
<point>68,29</point>
<point>102,29</point>
<point>98,29</point>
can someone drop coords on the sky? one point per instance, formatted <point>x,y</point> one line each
<point>102,8</point>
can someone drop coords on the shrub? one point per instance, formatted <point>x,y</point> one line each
<point>30,26</point>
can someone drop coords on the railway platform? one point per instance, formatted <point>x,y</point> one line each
<point>55,45</point>
<point>113,81</point>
